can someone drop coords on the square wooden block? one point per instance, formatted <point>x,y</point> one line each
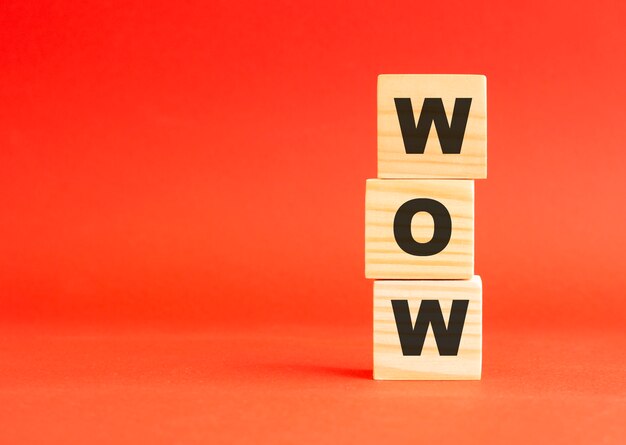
<point>422,115</point>
<point>401,243</point>
<point>407,314</point>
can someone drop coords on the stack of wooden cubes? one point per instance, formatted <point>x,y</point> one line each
<point>419,227</point>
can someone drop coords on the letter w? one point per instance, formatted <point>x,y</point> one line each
<point>450,136</point>
<point>412,338</point>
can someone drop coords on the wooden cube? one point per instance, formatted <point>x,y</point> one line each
<point>395,232</point>
<point>432,126</point>
<point>428,329</point>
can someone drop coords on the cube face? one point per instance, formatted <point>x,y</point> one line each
<point>390,362</point>
<point>393,159</point>
<point>385,258</point>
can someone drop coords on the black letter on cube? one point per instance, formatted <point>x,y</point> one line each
<point>441,234</point>
<point>450,136</point>
<point>412,338</point>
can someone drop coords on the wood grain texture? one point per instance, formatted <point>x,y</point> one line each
<point>390,364</point>
<point>385,259</point>
<point>394,162</point>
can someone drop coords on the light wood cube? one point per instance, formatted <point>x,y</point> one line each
<point>408,148</point>
<point>456,353</point>
<point>384,255</point>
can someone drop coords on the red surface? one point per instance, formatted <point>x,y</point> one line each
<point>300,385</point>
<point>171,173</point>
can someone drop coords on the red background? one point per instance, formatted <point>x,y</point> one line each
<point>182,215</point>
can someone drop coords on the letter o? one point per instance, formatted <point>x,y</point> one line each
<point>441,234</point>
